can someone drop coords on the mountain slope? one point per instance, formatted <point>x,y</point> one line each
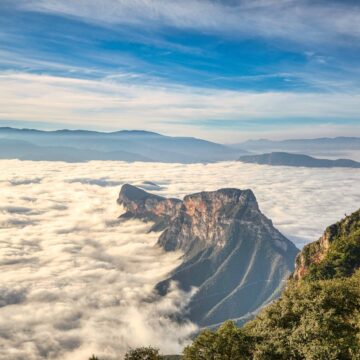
<point>288,159</point>
<point>317,315</point>
<point>232,253</point>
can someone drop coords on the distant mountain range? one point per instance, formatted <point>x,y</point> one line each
<point>287,159</point>
<point>139,145</point>
<point>337,147</point>
<point>336,143</point>
<point>82,145</point>
<point>232,253</point>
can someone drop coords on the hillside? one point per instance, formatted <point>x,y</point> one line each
<point>316,317</point>
<point>336,254</point>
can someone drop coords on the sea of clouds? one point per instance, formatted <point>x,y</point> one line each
<point>75,280</point>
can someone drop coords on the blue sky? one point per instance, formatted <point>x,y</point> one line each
<point>222,70</point>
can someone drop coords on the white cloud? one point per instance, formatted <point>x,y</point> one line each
<point>116,104</point>
<point>76,281</point>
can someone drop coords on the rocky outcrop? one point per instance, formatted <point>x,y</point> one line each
<point>148,207</point>
<point>232,254</point>
<point>335,254</point>
<point>312,254</point>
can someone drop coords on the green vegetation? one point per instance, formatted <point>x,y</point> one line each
<point>227,343</point>
<point>343,255</point>
<point>313,320</point>
<point>144,353</point>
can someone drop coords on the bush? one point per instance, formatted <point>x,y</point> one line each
<point>227,343</point>
<point>143,353</point>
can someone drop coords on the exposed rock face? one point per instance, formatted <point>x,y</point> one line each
<point>204,218</point>
<point>312,253</point>
<point>148,207</point>
<point>336,253</point>
<point>232,253</point>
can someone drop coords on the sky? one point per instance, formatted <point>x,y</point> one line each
<point>76,281</point>
<point>225,70</point>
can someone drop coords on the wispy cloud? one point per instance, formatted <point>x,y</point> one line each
<point>301,21</point>
<point>118,102</point>
<point>111,64</point>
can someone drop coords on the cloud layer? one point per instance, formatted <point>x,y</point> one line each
<point>76,281</point>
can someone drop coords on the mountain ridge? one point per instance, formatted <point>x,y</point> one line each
<point>290,159</point>
<point>142,144</point>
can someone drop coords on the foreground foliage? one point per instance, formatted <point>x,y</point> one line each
<point>227,343</point>
<point>144,353</point>
<point>343,254</point>
<point>312,320</point>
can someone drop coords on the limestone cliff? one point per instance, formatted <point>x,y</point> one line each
<point>232,254</point>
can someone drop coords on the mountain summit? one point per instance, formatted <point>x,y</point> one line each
<point>232,254</point>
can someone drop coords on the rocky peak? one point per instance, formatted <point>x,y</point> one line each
<point>149,207</point>
<point>231,252</point>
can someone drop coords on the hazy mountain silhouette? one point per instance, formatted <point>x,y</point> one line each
<point>287,159</point>
<point>83,145</point>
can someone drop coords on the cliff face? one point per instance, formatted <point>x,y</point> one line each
<point>204,218</point>
<point>335,254</point>
<point>232,253</point>
<point>311,254</point>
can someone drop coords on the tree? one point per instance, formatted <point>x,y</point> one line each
<point>227,343</point>
<point>143,353</point>
<point>313,320</point>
